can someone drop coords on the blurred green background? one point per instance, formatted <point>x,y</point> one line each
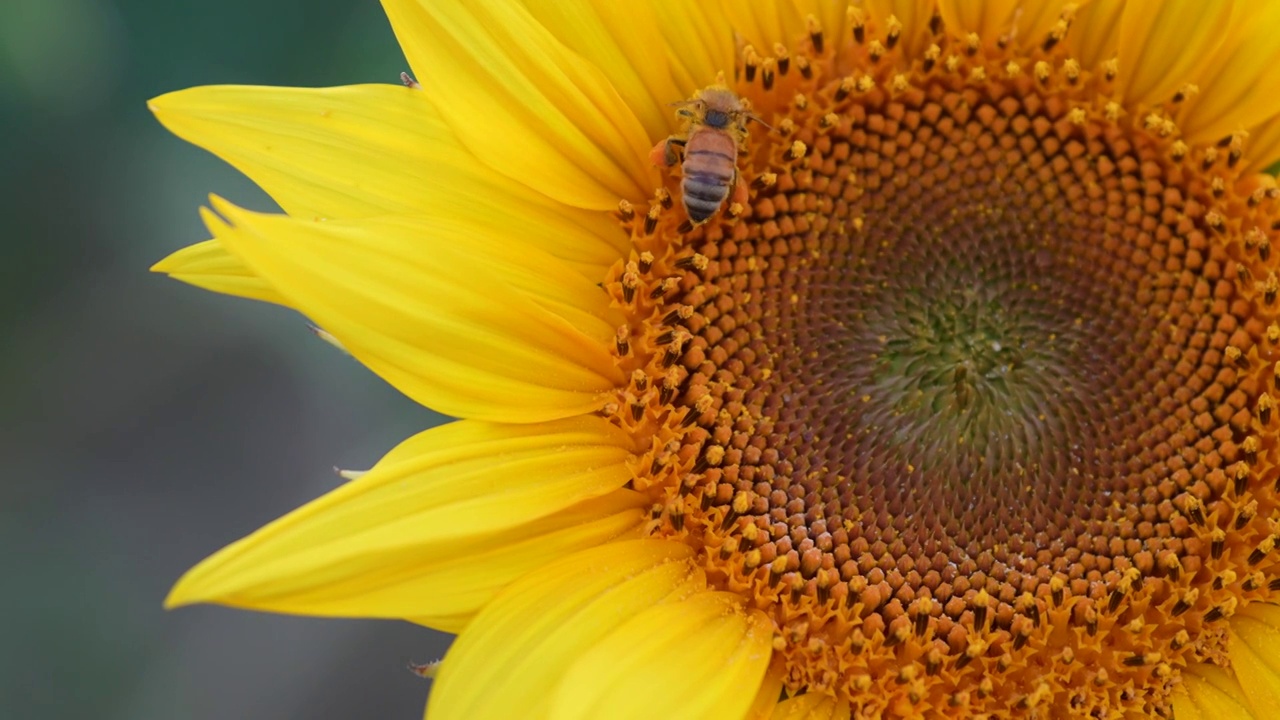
<point>145,423</point>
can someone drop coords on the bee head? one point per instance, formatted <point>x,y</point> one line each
<point>716,106</point>
<point>716,118</point>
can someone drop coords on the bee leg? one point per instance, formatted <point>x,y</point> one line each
<point>740,193</point>
<point>664,154</point>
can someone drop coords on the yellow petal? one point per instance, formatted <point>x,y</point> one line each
<point>761,24</point>
<point>460,584</point>
<point>1023,24</point>
<point>1095,34</point>
<point>1263,147</point>
<point>914,16</point>
<point>811,706</point>
<point>360,151</point>
<point>523,103</point>
<point>624,41</point>
<point>699,41</point>
<point>435,527</point>
<point>208,265</point>
<point>766,700</point>
<point>991,19</point>
<point>1255,655</point>
<point>1239,87</point>
<point>708,654</point>
<point>1034,21</point>
<point>526,639</point>
<point>1163,44</point>
<point>833,19</point>
<point>1209,693</point>
<point>442,327</point>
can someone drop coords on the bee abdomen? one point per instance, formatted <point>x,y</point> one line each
<point>709,167</point>
<point>703,195</point>
<point>705,187</point>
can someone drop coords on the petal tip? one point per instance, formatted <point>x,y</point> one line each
<point>203,584</point>
<point>158,103</point>
<point>181,595</point>
<point>213,218</point>
<point>162,266</point>
<point>222,206</point>
<point>166,103</point>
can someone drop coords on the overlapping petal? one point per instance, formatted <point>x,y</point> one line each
<point>1163,45</point>
<point>524,103</point>
<point>208,265</point>
<point>537,628</point>
<point>707,654</point>
<point>1255,655</point>
<point>762,24</point>
<point>989,18</point>
<point>1209,692</point>
<point>832,17</point>
<point>1263,147</point>
<point>422,303</point>
<point>369,150</point>
<point>812,706</point>
<point>460,584</point>
<point>1095,33</point>
<point>1238,87</point>
<point>618,38</point>
<point>436,527</point>
<point>1021,24</point>
<point>766,700</point>
<point>696,42</point>
<point>913,15</point>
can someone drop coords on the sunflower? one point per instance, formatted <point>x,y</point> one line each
<point>961,403</point>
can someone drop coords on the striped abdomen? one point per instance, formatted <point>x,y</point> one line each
<point>710,161</point>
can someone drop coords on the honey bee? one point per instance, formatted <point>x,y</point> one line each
<point>715,128</point>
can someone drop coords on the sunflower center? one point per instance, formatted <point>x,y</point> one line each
<point>951,356</point>
<point>984,350</point>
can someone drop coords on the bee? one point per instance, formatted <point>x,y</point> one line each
<point>715,128</point>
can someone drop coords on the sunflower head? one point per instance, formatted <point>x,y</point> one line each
<point>947,389</point>
<point>968,372</point>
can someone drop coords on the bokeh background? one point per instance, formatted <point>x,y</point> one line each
<point>143,423</point>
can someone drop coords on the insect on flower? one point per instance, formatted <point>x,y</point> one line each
<point>715,128</point>
<point>970,410</point>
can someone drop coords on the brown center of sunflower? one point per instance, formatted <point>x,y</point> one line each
<point>973,398</point>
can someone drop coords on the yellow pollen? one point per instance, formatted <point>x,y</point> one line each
<point>1186,91</point>
<point>1071,69</point>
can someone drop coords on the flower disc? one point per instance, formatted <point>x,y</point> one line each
<point>969,399</point>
